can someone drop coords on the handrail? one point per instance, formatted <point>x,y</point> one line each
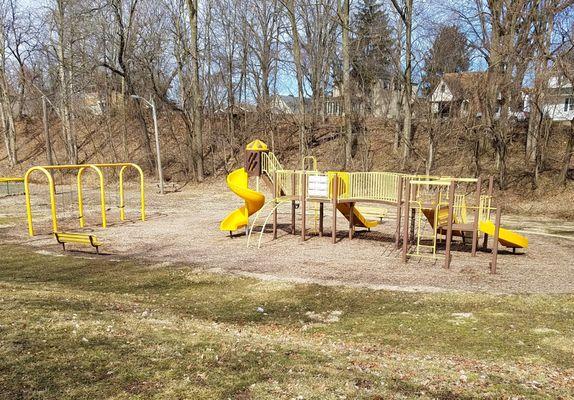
<point>270,164</point>
<point>313,160</point>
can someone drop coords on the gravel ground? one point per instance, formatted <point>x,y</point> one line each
<point>183,227</point>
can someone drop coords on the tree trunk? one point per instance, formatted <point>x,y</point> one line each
<point>197,101</point>
<point>299,73</point>
<point>407,90</point>
<point>347,107</point>
<point>568,154</point>
<point>6,113</point>
<point>65,91</point>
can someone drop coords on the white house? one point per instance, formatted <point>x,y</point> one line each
<point>559,102</point>
<point>458,94</point>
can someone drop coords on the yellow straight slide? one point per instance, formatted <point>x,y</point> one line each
<point>505,237</point>
<point>359,219</point>
<point>238,182</point>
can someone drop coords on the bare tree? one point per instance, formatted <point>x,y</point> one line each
<point>344,17</point>
<point>63,30</point>
<point>405,12</point>
<point>197,106</point>
<point>6,111</point>
<point>291,7</point>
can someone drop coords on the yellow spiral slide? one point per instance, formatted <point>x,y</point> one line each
<point>238,182</point>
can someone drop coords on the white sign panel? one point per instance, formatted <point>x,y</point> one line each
<point>318,186</point>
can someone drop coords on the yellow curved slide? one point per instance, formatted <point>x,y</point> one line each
<point>238,182</point>
<point>505,237</point>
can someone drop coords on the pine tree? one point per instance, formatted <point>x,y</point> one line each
<point>371,47</point>
<point>450,52</point>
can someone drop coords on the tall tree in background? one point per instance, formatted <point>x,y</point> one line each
<point>404,10</point>
<point>371,49</point>
<point>343,11</point>
<point>291,7</point>
<point>63,26</point>
<point>450,52</point>
<point>6,111</point>
<point>318,46</point>
<point>197,105</point>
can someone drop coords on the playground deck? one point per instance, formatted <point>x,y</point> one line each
<point>182,227</point>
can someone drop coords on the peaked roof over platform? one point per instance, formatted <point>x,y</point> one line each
<point>256,145</point>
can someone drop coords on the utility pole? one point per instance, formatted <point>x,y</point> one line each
<point>151,103</point>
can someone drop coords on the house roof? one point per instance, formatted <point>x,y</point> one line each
<point>463,84</point>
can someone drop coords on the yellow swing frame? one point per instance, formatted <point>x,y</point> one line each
<point>81,168</point>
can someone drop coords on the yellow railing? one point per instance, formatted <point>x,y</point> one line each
<point>309,161</point>
<point>270,164</point>
<point>485,208</point>
<point>369,185</point>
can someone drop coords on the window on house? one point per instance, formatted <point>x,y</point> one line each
<point>569,104</point>
<point>442,88</point>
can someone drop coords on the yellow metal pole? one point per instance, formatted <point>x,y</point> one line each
<point>142,191</point>
<point>29,203</point>
<point>80,197</point>
<point>102,194</point>
<point>122,200</point>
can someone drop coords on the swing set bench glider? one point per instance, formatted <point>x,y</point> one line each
<point>79,238</point>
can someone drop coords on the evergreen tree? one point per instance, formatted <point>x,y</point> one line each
<point>371,47</point>
<point>450,52</point>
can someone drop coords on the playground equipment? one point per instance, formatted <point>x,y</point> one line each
<point>80,238</point>
<point>430,210</point>
<point>11,186</point>
<point>238,182</point>
<point>97,168</point>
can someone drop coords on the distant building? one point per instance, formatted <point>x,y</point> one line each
<point>384,101</point>
<point>457,93</point>
<point>287,104</point>
<point>559,100</point>
<point>460,94</point>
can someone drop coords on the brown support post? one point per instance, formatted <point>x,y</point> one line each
<point>275,205</point>
<point>406,209</point>
<point>303,205</point>
<point>490,191</point>
<point>414,194</point>
<point>351,224</point>
<point>399,205</point>
<point>293,193</point>
<point>495,241</point>
<point>321,215</point>
<point>335,194</point>
<point>451,192</point>
<point>476,216</point>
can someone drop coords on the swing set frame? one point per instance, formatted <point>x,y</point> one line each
<point>97,168</point>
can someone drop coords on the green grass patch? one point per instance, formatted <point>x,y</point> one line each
<point>79,328</point>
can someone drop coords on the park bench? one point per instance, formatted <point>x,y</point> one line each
<point>79,238</point>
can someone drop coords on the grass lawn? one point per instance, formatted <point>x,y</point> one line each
<point>77,328</point>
